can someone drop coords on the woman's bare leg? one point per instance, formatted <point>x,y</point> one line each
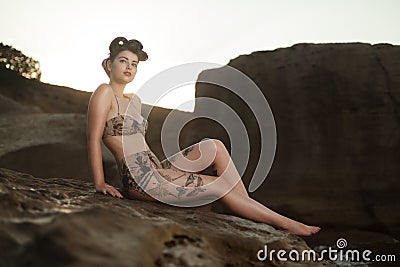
<point>239,204</point>
<point>221,162</point>
<point>224,165</point>
<point>251,209</point>
<point>237,199</point>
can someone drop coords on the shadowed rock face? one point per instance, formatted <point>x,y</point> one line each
<point>63,222</point>
<point>337,114</point>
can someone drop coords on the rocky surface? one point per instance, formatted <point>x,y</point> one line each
<point>63,222</point>
<point>337,114</point>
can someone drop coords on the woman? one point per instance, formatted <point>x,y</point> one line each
<point>143,176</point>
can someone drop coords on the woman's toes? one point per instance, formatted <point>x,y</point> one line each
<point>315,229</point>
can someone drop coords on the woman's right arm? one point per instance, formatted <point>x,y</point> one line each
<point>98,108</point>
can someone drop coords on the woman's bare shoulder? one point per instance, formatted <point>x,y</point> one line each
<point>103,88</point>
<point>102,91</point>
<point>134,96</point>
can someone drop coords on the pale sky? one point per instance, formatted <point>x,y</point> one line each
<point>71,38</point>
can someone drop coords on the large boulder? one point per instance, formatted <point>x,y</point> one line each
<point>63,222</point>
<point>337,114</point>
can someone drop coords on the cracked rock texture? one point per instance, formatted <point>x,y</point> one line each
<point>63,222</point>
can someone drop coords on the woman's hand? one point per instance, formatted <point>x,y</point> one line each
<point>105,188</point>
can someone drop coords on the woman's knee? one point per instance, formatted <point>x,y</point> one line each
<point>219,144</point>
<point>220,147</point>
<point>209,145</point>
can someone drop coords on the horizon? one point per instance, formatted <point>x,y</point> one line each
<point>264,26</point>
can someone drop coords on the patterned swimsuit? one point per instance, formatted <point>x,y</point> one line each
<point>142,171</point>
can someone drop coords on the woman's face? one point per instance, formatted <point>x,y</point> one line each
<point>123,68</point>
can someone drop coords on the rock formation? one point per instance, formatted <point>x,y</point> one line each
<point>336,109</point>
<point>63,222</point>
<point>337,114</point>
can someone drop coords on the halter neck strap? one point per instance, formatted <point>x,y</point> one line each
<point>117,103</point>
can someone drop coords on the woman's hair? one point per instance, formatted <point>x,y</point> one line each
<point>120,44</point>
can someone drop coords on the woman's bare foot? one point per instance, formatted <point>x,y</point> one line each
<point>304,230</point>
<point>298,228</point>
